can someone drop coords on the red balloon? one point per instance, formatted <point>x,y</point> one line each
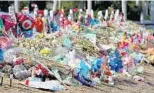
<point>39,24</point>
<point>5,42</point>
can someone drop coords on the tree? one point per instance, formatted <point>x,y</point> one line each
<point>23,4</point>
<point>133,11</point>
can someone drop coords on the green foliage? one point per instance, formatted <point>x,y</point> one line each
<point>133,11</point>
<point>66,5</point>
<point>95,13</point>
<point>49,5</point>
<point>23,4</point>
<point>4,5</point>
<point>147,17</point>
<point>116,5</point>
<point>69,4</point>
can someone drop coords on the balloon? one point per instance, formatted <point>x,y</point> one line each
<point>26,22</point>
<point>39,24</point>
<point>5,42</point>
<point>8,22</point>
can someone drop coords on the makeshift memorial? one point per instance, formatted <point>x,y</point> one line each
<point>74,52</point>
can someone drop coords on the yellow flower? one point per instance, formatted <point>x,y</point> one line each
<point>45,52</point>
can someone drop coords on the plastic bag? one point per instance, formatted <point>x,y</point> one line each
<point>71,56</point>
<point>20,72</point>
<point>56,74</point>
<point>60,50</point>
<point>84,69</point>
<point>71,81</point>
<point>97,65</point>
<point>85,81</point>
<point>51,85</point>
<point>10,54</point>
<point>81,73</point>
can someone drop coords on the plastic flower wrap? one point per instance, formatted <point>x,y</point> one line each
<point>10,54</point>
<point>1,24</point>
<point>82,74</point>
<point>116,62</point>
<point>54,26</point>
<point>1,55</point>
<point>94,22</point>
<point>28,34</point>
<point>97,65</point>
<point>67,42</point>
